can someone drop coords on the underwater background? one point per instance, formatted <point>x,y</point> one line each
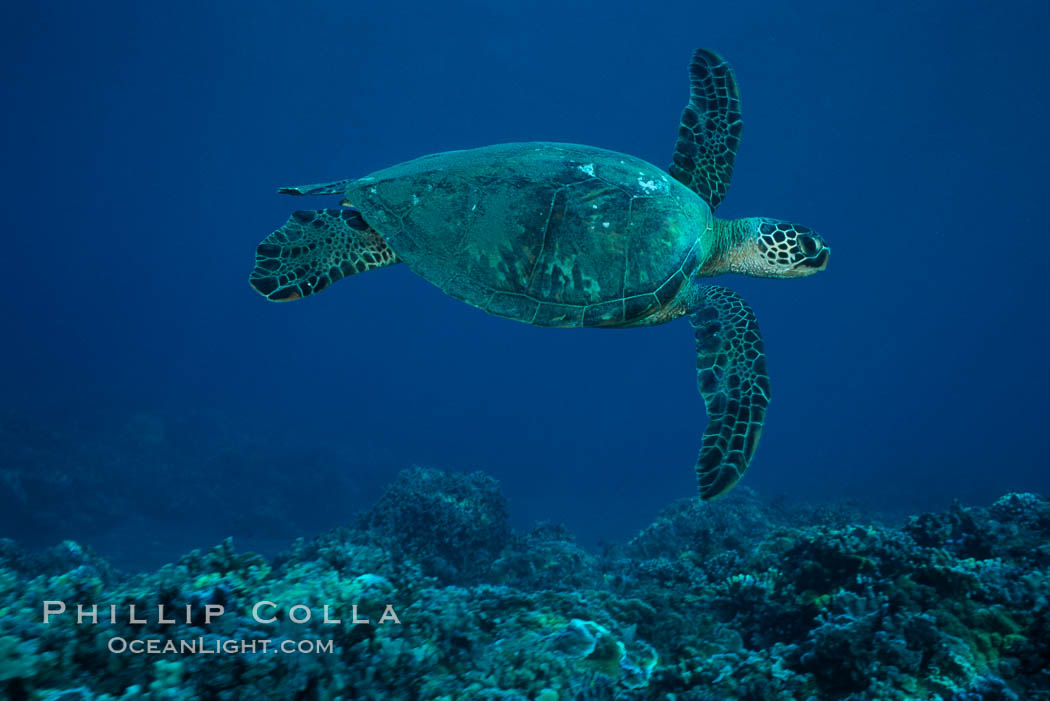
<point>151,403</point>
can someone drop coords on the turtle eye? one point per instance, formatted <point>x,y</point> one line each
<point>809,245</point>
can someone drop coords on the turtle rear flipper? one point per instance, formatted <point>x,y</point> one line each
<point>336,187</point>
<point>732,377</point>
<point>315,249</point>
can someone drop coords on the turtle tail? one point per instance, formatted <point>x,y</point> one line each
<point>315,249</point>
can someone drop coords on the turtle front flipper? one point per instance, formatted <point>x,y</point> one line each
<point>315,249</point>
<point>732,377</point>
<point>710,132</point>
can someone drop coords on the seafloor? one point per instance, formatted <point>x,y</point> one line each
<point>736,599</point>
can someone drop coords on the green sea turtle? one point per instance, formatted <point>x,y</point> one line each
<point>573,236</point>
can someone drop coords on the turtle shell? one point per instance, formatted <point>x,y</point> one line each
<point>549,234</point>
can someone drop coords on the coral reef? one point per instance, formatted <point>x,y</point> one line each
<point>453,523</point>
<point>736,599</point>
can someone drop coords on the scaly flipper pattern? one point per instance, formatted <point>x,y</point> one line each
<point>315,249</point>
<point>710,132</point>
<point>732,377</point>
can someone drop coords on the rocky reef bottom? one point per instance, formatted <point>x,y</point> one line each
<point>736,599</point>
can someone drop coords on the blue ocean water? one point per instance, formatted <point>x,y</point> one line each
<point>143,144</point>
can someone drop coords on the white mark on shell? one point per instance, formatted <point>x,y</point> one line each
<point>588,169</point>
<point>650,186</point>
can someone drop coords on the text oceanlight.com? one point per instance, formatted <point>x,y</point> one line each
<point>212,646</point>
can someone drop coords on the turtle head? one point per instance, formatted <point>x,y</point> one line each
<point>764,247</point>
